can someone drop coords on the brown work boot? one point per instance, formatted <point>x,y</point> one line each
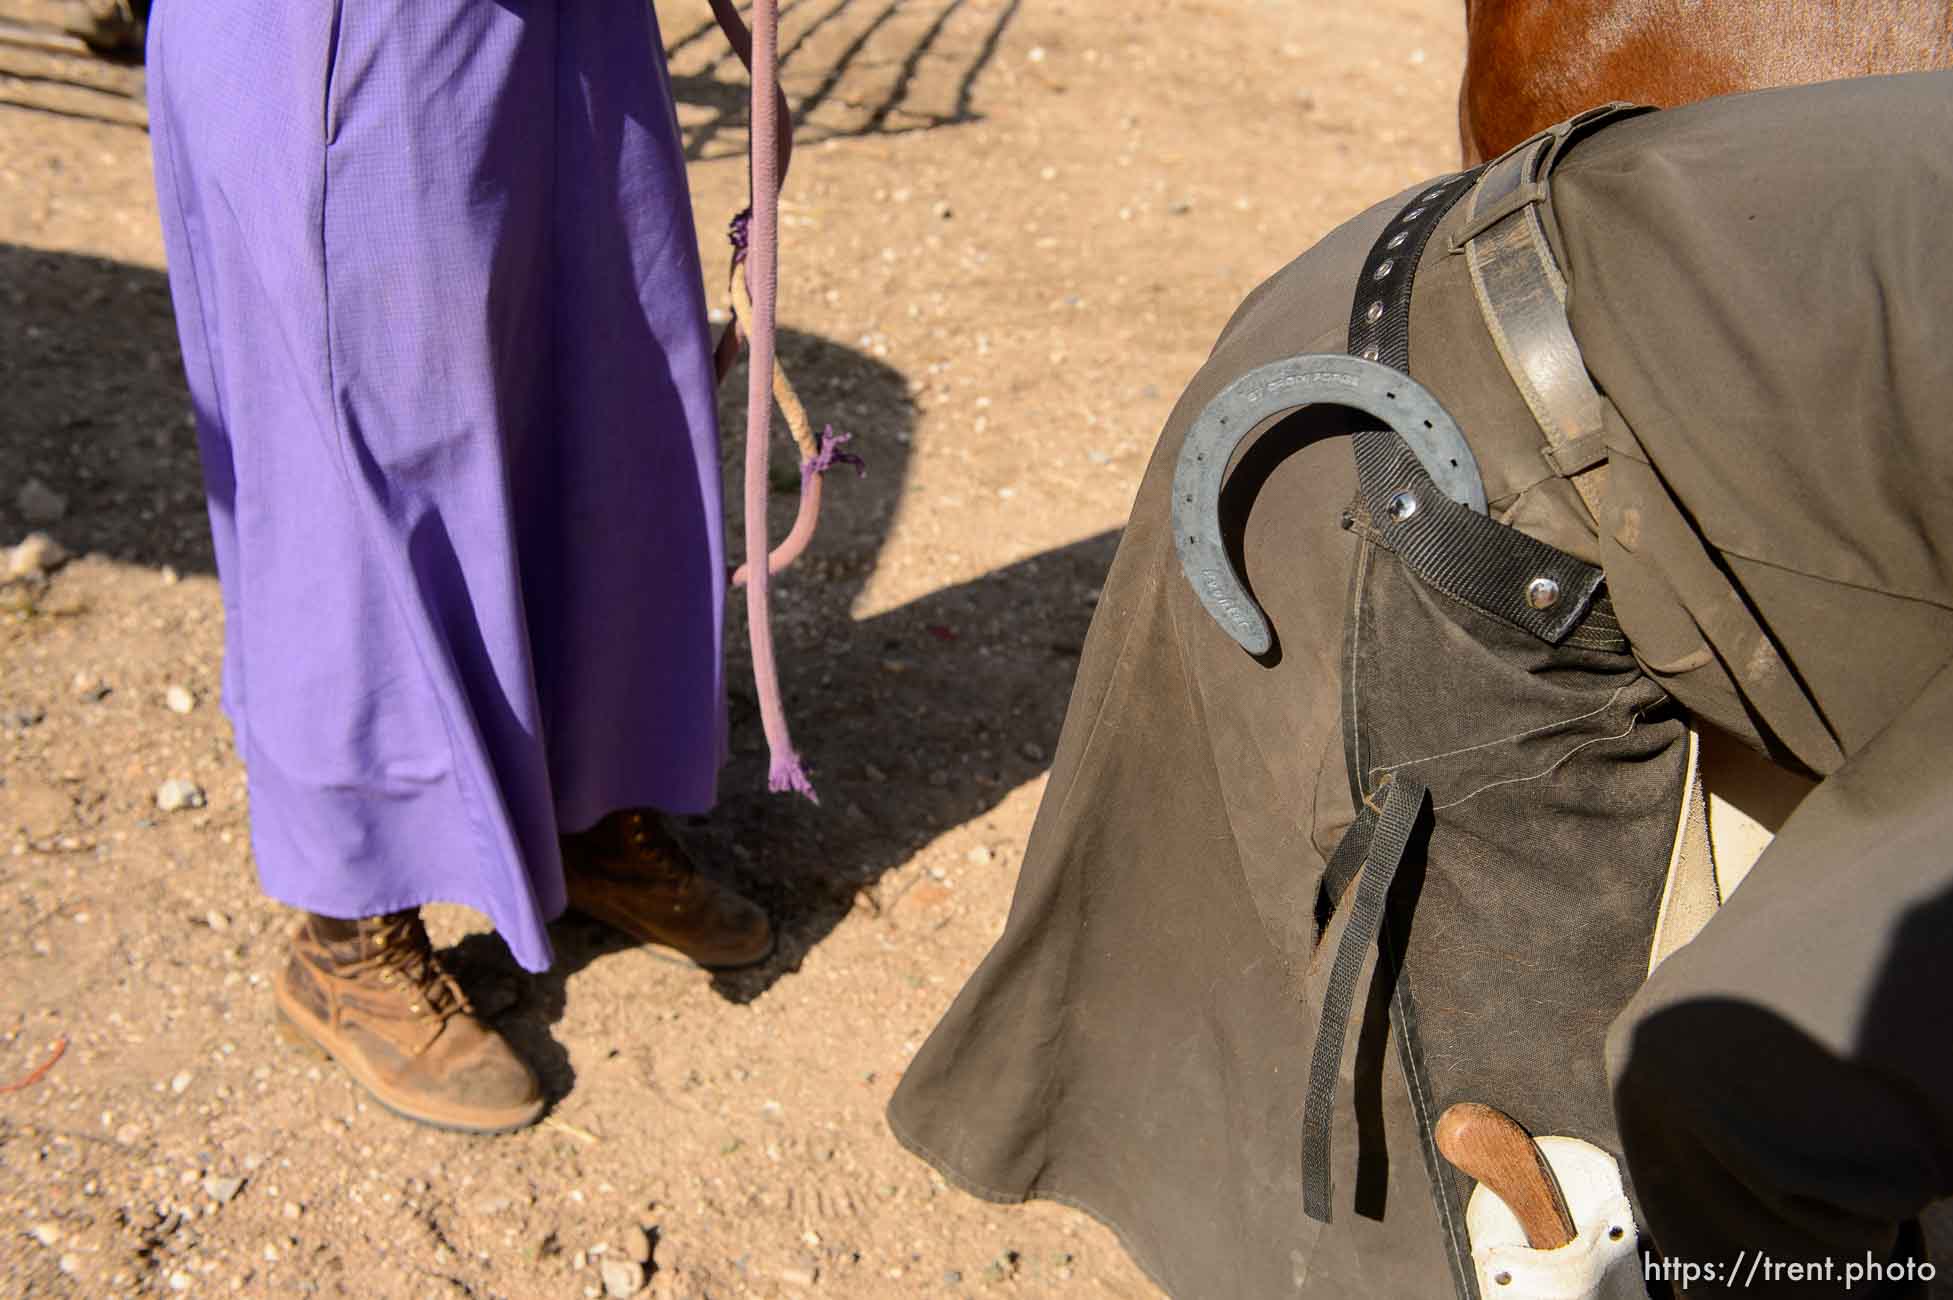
<point>372,994</point>
<point>628,872</point>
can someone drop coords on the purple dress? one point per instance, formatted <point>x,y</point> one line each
<point>442,315</point>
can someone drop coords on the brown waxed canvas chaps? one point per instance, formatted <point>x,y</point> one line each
<point>1758,290</point>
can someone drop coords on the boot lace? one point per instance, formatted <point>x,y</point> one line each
<point>402,953</point>
<point>652,847</point>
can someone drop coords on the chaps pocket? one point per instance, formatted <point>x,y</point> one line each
<point>1554,771</point>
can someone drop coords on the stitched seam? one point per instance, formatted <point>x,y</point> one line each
<point>1633,719</point>
<point>1355,657</point>
<point>1415,1086</point>
<point>1517,735</point>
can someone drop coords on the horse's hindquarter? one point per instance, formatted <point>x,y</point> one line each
<point>1531,63</point>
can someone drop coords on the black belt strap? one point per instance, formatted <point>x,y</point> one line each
<point>1379,321</point>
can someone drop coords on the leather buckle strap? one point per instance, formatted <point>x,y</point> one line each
<point>1522,295</point>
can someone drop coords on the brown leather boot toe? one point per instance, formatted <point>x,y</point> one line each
<point>628,872</point>
<point>372,995</point>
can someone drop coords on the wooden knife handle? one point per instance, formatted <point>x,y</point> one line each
<point>1492,1147</point>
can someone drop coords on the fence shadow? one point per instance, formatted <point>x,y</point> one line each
<point>863,60</point>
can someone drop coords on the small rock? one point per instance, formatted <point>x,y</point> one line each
<point>216,920</point>
<point>179,699</point>
<point>942,210</point>
<point>89,686</point>
<point>40,504</point>
<point>952,1276</point>
<point>637,1244</point>
<point>35,557</point>
<point>222,1189</point>
<point>577,1261</point>
<point>168,576</point>
<point>20,719</point>
<point>45,1233</point>
<point>980,856</point>
<point>622,1277</point>
<point>804,1273</point>
<point>181,1082</point>
<point>179,1281</point>
<point>176,794</point>
<point>292,1210</point>
<point>70,1264</point>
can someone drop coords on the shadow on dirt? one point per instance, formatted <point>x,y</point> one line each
<point>913,721</point>
<point>836,37</point>
<point>92,404</point>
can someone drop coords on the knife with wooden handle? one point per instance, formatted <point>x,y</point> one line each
<point>1489,1145</point>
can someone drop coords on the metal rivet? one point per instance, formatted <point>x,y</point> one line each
<point>1431,194</point>
<point>1413,215</point>
<point>1503,1279</point>
<point>1375,313</point>
<point>1397,240</point>
<point>1616,1233</point>
<point>1347,520</point>
<point>1370,353</point>
<point>1388,264</point>
<point>1402,506</point>
<point>1542,593</point>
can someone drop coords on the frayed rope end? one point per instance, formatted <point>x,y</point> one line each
<point>788,775</point>
<point>830,455</point>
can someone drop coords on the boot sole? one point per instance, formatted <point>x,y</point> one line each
<point>295,1027</point>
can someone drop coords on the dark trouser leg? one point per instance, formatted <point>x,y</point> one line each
<point>1784,1084</point>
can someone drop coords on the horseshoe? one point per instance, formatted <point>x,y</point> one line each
<point>1278,388</point>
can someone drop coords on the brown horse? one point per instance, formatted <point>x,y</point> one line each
<point>1531,63</point>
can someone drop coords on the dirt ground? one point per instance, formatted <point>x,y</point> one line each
<point>1011,232</point>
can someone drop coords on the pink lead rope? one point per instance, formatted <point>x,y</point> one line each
<point>771,151</point>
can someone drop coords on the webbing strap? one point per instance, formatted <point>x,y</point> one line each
<point>1371,851</point>
<point>1379,322</point>
<point>1495,569</point>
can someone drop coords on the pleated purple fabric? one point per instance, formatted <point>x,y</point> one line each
<point>443,321</point>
